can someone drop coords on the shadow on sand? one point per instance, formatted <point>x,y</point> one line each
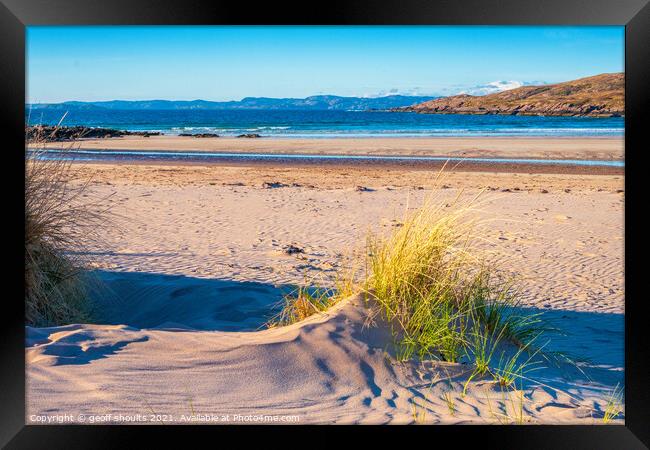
<point>134,301</point>
<point>177,302</point>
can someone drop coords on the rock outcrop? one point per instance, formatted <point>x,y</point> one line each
<point>598,96</point>
<point>46,133</point>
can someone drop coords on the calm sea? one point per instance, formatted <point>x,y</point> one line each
<point>324,124</point>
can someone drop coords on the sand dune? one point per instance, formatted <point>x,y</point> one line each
<point>331,368</point>
<point>195,264</point>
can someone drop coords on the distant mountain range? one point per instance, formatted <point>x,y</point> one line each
<point>597,96</point>
<point>316,102</point>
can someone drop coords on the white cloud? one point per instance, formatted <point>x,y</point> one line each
<point>496,86</point>
<point>492,87</point>
<point>414,91</point>
<point>479,89</point>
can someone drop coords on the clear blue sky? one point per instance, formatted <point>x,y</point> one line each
<point>229,63</point>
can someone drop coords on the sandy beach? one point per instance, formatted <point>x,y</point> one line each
<point>601,148</point>
<point>194,262</point>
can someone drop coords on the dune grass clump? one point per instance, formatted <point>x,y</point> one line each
<point>60,219</point>
<point>301,303</point>
<point>443,300</point>
<point>309,298</point>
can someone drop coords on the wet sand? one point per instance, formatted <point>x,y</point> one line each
<point>600,148</point>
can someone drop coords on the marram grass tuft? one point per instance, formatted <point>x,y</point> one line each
<point>432,284</point>
<point>61,219</point>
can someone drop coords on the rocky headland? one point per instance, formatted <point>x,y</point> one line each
<point>598,96</point>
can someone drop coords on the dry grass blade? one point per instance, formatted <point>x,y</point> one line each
<point>614,406</point>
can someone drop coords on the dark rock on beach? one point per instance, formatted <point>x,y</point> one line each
<point>200,135</point>
<point>46,133</point>
<point>250,135</point>
<point>273,185</point>
<point>292,249</point>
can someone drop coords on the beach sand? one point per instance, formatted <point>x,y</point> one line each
<point>194,261</point>
<point>603,148</point>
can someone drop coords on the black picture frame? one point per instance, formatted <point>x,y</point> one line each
<point>15,15</point>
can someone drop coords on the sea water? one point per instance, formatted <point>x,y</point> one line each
<point>326,124</point>
<point>190,156</point>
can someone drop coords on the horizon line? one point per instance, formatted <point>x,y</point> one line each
<point>243,98</point>
<point>395,94</point>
